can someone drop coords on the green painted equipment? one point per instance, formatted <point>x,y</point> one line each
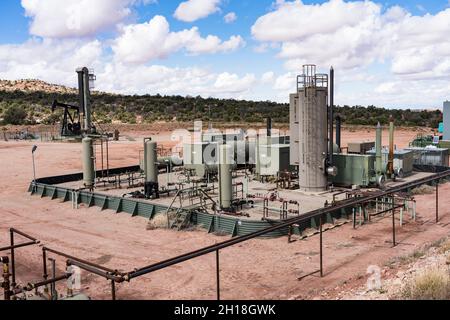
<point>225,177</point>
<point>355,170</point>
<point>88,163</point>
<point>150,161</point>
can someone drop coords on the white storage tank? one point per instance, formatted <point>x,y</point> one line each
<point>447,120</point>
<point>309,129</point>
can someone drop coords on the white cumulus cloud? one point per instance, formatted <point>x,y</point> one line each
<point>230,17</point>
<point>355,34</point>
<point>193,10</point>
<point>75,18</point>
<point>55,61</point>
<point>140,43</point>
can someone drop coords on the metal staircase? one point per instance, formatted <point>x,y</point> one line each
<point>182,220</point>
<point>182,215</point>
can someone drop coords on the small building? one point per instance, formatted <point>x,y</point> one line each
<point>360,147</point>
<point>403,161</point>
<point>430,156</point>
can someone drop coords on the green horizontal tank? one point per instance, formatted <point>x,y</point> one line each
<point>354,170</point>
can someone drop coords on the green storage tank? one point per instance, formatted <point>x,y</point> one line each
<point>354,170</point>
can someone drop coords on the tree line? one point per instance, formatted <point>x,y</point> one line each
<point>18,108</point>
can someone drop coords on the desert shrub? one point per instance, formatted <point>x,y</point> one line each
<point>15,115</point>
<point>425,189</point>
<point>432,284</point>
<point>159,222</point>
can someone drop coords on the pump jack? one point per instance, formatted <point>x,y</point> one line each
<point>77,120</point>
<point>71,125</point>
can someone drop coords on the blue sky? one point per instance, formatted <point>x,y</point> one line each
<point>387,53</point>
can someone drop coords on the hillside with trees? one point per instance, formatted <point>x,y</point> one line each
<point>22,106</point>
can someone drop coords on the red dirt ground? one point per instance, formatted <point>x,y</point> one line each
<point>258,269</point>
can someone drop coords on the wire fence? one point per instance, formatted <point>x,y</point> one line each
<point>46,134</point>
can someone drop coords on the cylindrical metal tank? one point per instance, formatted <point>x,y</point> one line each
<point>391,149</point>
<point>88,163</point>
<point>172,161</point>
<point>225,177</point>
<point>151,161</point>
<point>379,150</point>
<point>313,142</point>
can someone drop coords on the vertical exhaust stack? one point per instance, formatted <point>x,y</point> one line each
<point>88,163</point>
<point>269,128</point>
<point>258,158</point>
<point>87,102</point>
<point>391,149</point>
<point>81,95</point>
<point>225,178</point>
<point>151,169</point>
<point>331,120</point>
<point>331,170</point>
<point>84,92</point>
<point>338,132</point>
<point>379,156</point>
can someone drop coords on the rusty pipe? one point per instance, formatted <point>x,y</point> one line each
<point>6,285</point>
<point>94,265</point>
<point>24,235</point>
<point>101,273</point>
<point>391,149</point>
<point>17,246</point>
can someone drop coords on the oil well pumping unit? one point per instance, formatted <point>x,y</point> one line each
<point>77,120</point>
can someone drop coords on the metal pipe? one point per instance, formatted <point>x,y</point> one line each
<point>379,155</point>
<point>81,94</point>
<point>269,127</point>
<point>94,265</point>
<point>391,149</point>
<point>96,271</point>
<point>44,264</point>
<point>113,290</point>
<point>32,286</point>
<point>437,202</point>
<point>388,210</point>
<point>218,274</point>
<point>331,120</point>
<point>258,158</point>
<point>6,284</point>
<point>338,131</point>
<point>321,246</point>
<point>393,224</point>
<point>87,101</point>
<point>24,235</point>
<point>13,265</point>
<point>308,216</point>
<point>17,246</point>
<point>53,292</point>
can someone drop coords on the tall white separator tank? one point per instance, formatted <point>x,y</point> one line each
<point>309,129</point>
